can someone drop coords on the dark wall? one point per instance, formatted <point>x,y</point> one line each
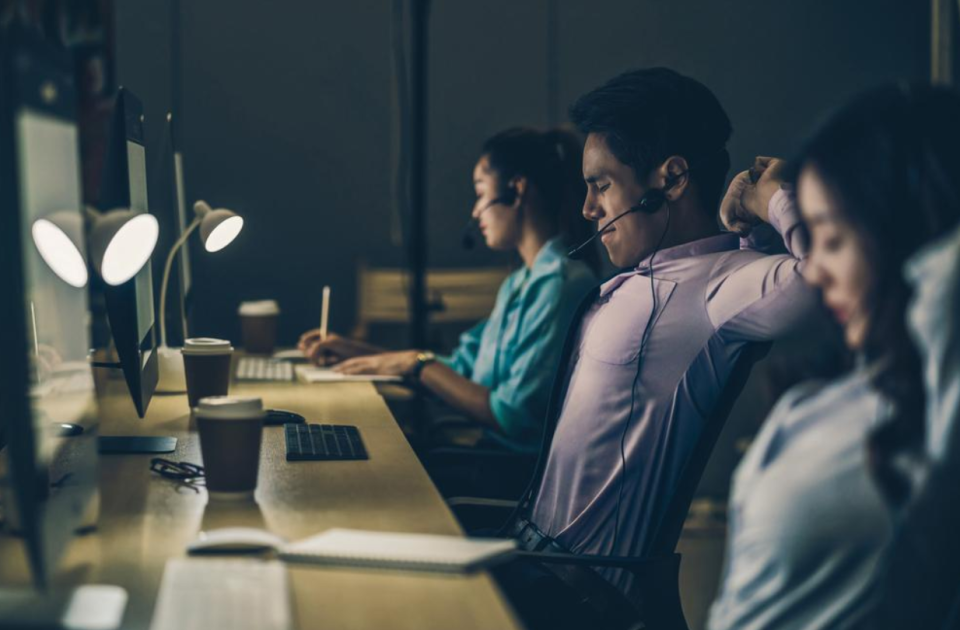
<point>287,114</point>
<point>777,67</point>
<point>287,121</point>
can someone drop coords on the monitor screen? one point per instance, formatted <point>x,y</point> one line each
<point>130,305</point>
<point>48,381</point>
<point>186,277</point>
<point>137,172</point>
<point>58,318</point>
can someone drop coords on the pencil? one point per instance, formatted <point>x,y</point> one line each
<point>324,313</point>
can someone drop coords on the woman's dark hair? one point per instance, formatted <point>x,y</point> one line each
<point>645,116</point>
<point>891,159</point>
<point>552,162</point>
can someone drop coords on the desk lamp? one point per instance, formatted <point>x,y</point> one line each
<point>218,228</point>
<point>121,242</point>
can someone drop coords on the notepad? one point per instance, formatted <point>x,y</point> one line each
<point>420,552</point>
<point>312,374</point>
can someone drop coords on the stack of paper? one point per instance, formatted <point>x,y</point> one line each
<point>312,374</point>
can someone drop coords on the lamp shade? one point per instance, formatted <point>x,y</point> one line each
<point>121,242</point>
<point>218,227</point>
<point>59,240</point>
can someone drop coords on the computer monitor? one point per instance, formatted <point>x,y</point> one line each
<point>178,301</point>
<point>46,373</point>
<point>130,307</point>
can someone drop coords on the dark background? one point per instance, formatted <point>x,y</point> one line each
<point>287,110</point>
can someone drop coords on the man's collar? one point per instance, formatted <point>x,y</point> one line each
<point>699,247</point>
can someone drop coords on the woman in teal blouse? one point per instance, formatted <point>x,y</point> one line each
<point>529,193</point>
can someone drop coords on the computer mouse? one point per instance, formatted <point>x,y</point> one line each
<point>68,429</point>
<point>279,416</point>
<point>235,540</point>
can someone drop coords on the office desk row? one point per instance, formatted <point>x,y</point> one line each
<point>146,520</point>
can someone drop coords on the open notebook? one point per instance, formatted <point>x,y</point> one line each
<point>313,374</point>
<point>422,552</point>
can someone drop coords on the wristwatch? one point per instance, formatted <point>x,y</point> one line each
<point>423,360</point>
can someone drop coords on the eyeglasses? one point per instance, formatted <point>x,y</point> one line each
<point>180,471</point>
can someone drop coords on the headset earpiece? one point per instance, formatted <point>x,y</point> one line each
<point>651,201</point>
<point>654,199</point>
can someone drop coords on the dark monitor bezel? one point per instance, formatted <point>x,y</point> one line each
<point>179,295</point>
<point>140,374</point>
<point>28,67</point>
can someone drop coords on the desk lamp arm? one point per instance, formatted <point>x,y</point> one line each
<point>166,277</point>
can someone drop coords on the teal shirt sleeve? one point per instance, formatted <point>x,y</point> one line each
<point>463,360</point>
<point>519,401</point>
<point>464,356</point>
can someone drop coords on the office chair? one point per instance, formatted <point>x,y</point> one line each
<point>489,471</point>
<point>657,573</point>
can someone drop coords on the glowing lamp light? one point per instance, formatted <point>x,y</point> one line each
<point>120,244</point>
<point>218,228</point>
<point>59,239</point>
<point>127,244</point>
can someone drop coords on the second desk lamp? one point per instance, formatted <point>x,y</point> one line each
<point>218,228</point>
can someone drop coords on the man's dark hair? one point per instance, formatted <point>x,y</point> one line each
<point>646,116</point>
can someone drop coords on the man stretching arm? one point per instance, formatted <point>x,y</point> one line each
<point>651,353</point>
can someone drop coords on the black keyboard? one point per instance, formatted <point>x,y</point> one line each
<point>310,442</point>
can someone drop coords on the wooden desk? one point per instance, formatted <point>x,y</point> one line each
<point>146,519</point>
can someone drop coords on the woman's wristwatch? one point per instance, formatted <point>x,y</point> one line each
<point>423,360</point>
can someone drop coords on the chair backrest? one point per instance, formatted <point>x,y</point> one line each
<point>668,532</point>
<point>454,295</point>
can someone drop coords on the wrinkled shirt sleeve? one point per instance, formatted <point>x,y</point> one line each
<point>764,297</point>
<point>464,356</point>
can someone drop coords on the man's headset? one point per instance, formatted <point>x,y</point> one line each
<point>506,198</point>
<point>649,203</point>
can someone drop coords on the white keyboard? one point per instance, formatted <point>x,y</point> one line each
<point>264,369</point>
<point>239,594</point>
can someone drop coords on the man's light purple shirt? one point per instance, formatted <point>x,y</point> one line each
<point>713,296</point>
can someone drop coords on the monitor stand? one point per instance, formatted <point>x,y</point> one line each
<point>87,607</point>
<point>120,444</point>
<point>127,444</point>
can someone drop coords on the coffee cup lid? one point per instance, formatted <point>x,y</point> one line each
<point>230,407</point>
<point>260,307</point>
<point>206,345</point>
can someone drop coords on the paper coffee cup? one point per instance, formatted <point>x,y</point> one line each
<point>231,430</point>
<point>258,322</point>
<point>206,363</point>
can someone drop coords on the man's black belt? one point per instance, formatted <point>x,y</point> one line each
<point>530,538</point>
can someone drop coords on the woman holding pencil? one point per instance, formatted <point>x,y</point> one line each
<point>529,194</point>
